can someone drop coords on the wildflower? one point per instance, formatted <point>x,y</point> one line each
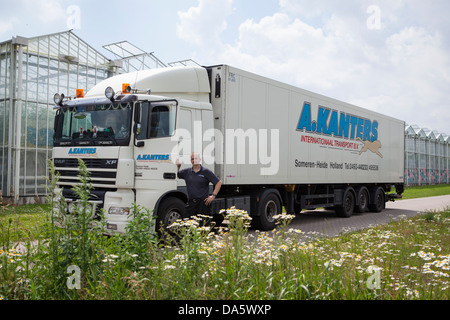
<point>414,293</point>
<point>331,263</point>
<point>168,266</point>
<point>283,218</point>
<point>204,228</point>
<point>110,258</point>
<point>297,231</point>
<point>426,255</point>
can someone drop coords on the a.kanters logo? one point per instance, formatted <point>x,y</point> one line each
<point>89,152</point>
<point>336,124</point>
<point>153,157</point>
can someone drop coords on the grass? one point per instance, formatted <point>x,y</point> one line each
<point>404,260</point>
<point>426,191</point>
<point>26,217</point>
<point>408,259</point>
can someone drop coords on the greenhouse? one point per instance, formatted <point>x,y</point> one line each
<point>32,70</point>
<point>427,156</point>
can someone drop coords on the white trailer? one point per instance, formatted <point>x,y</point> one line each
<point>271,144</point>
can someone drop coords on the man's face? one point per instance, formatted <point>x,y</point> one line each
<point>195,158</point>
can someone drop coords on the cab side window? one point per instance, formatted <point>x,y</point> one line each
<point>157,120</point>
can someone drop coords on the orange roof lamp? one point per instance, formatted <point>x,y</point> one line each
<point>126,89</point>
<point>80,93</point>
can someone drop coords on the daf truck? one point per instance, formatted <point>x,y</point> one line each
<point>272,145</point>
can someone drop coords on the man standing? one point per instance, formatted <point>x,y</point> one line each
<point>197,182</point>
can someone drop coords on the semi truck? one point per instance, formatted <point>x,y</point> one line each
<point>272,145</point>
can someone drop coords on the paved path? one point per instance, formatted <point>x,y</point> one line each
<point>326,222</point>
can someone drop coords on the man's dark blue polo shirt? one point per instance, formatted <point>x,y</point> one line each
<point>197,183</point>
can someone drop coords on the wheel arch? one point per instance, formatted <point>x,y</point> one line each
<point>174,194</point>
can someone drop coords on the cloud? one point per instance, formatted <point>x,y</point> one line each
<point>400,69</point>
<point>46,11</point>
<point>32,17</point>
<point>203,24</point>
<point>8,24</point>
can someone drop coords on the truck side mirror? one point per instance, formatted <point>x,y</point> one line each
<point>137,125</point>
<point>137,113</point>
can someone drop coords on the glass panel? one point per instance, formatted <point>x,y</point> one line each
<point>63,43</point>
<point>51,120</point>
<point>91,79</point>
<point>82,78</point>
<point>42,126</point>
<point>43,80</point>
<point>54,46</point>
<point>63,78</point>
<point>7,65</point>
<point>33,45</point>
<point>73,50</point>
<point>32,84</point>
<point>2,172</point>
<point>41,162</point>
<point>2,121</point>
<point>73,80</point>
<point>43,46</point>
<point>30,172</point>
<point>23,116</point>
<point>6,123</point>
<point>31,125</point>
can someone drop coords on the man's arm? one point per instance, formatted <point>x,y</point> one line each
<point>179,166</point>
<point>215,193</point>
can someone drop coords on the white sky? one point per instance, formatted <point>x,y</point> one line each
<point>391,56</point>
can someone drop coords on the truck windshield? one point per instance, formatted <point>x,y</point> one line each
<point>104,124</point>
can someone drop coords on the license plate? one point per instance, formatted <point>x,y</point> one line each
<point>111,226</point>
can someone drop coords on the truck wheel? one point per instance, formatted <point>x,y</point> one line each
<point>379,202</point>
<point>348,205</point>
<point>363,200</point>
<point>169,211</point>
<point>269,206</point>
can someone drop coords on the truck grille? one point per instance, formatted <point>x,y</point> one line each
<point>103,172</point>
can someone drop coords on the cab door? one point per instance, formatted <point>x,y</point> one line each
<point>157,129</point>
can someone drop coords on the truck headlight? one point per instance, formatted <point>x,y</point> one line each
<point>109,93</point>
<point>119,211</point>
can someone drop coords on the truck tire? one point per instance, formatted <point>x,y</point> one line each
<point>269,206</point>
<point>363,200</point>
<point>170,210</point>
<point>348,204</point>
<point>378,201</point>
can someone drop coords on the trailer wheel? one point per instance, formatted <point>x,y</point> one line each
<point>170,210</point>
<point>379,204</point>
<point>348,205</point>
<point>269,207</point>
<point>363,200</point>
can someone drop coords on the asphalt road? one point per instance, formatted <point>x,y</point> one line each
<point>327,223</point>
